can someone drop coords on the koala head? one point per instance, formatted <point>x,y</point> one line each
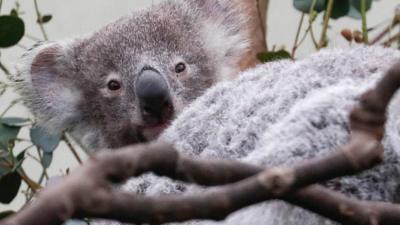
<point>124,83</point>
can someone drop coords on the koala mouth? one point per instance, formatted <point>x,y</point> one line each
<point>155,123</point>
<point>152,131</point>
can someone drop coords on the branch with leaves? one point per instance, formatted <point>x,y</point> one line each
<point>14,150</point>
<point>87,191</point>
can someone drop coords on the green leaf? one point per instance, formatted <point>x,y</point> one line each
<point>357,4</point>
<point>354,13</point>
<point>14,121</point>
<point>21,156</point>
<point>20,159</point>
<point>12,30</point>
<point>272,56</point>
<point>5,214</point>
<point>340,8</point>
<point>46,160</point>
<point>8,135</point>
<point>14,12</point>
<point>4,169</point>
<point>305,5</point>
<point>355,8</point>
<point>10,185</point>
<point>44,19</point>
<point>44,140</point>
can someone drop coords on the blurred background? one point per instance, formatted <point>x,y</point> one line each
<point>76,17</point>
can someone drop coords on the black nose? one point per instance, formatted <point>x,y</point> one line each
<point>154,97</point>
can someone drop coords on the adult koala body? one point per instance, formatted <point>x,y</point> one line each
<point>124,83</point>
<point>281,113</point>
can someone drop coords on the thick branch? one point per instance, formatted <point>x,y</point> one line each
<point>87,192</point>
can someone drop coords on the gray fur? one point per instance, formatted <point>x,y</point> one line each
<point>281,113</point>
<point>64,82</point>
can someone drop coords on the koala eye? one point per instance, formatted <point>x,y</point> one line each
<point>180,67</point>
<point>113,85</point>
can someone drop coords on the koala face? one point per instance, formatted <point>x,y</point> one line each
<point>125,83</point>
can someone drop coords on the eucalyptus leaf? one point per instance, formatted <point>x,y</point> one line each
<point>5,214</point>
<point>355,8</point>
<point>21,156</point>
<point>44,19</point>
<point>14,12</point>
<point>357,4</point>
<point>305,5</point>
<point>44,140</point>
<point>46,159</point>
<point>15,121</point>
<point>354,13</point>
<point>12,30</point>
<point>7,135</point>
<point>340,9</point>
<point>272,56</point>
<point>20,159</point>
<point>10,185</point>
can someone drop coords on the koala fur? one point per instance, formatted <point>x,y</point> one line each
<point>281,113</point>
<point>64,83</point>
<point>278,113</point>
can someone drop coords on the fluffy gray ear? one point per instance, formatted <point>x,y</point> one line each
<point>224,31</point>
<point>47,86</point>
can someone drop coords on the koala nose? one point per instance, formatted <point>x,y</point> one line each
<point>154,97</point>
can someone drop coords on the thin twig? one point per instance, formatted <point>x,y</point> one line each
<point>4,69</point>
<point>384,32</point>
<point>12,104</point>
<point>364,27</point>
<point>297,35</point>
<point>72,148</point>
<point>33,38</point>
<point>39,17</point>
<point>262,21</point>
<point>313,38</point>
<point>392,39</point>
<point>323,39</point>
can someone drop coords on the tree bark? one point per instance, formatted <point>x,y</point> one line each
<point>256,11</point>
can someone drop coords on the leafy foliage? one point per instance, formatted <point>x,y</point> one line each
<point>10,185</point>
<point>12,29</point>
<point>44,140</point>
<point>44,19</point>
<point>272,56</point>
<point>8,134</point>
<point>5,214</point>
<point>342,8</point>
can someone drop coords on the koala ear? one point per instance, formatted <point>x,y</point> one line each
<point>47,86</point>
<point>224,30</point>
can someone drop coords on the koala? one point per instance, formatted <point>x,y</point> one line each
<point>126,82</point>
<point>282,113</point>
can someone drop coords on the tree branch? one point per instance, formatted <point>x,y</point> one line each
<point>87,192</point>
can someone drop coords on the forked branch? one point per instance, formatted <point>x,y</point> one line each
<point>87,191</point>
